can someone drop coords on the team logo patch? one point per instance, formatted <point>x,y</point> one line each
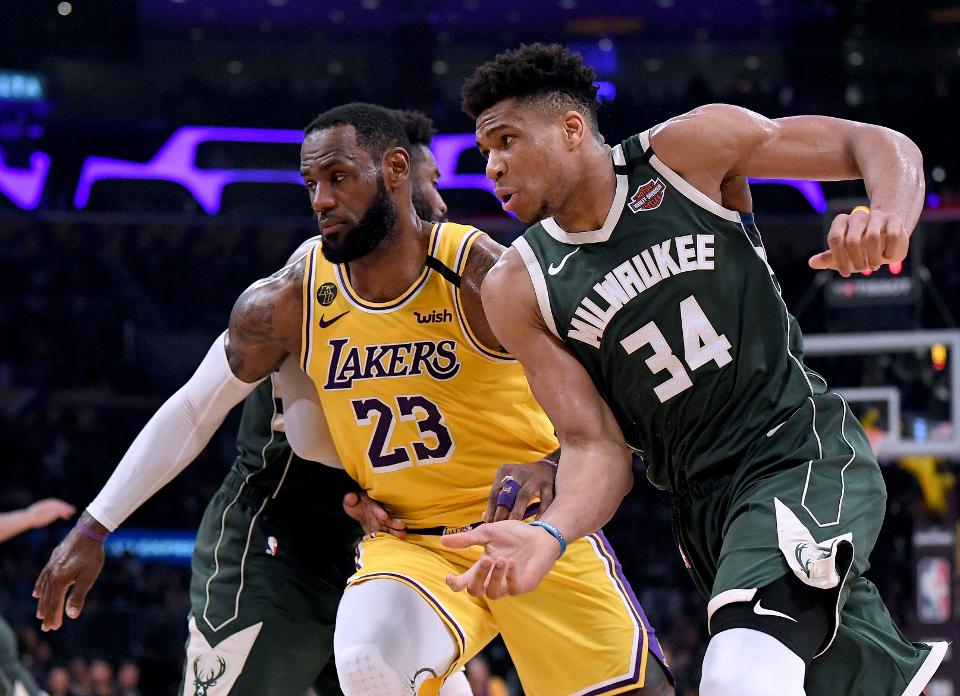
<point>648,196</point>
<point>205,680</point>
<point>326,294</point>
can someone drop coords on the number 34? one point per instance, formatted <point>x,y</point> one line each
<point>701,344</point>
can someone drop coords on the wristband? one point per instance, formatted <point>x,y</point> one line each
<point>554,532</point>
<point>90,533</point>
<point>863,208</point>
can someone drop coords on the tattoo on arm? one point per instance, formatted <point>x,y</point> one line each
<point>483,256</point>
<point>256,323</point>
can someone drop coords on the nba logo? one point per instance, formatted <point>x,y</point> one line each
<point>272,546</point>
<point>933,590</point>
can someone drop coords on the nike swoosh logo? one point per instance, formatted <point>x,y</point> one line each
<point>324,323</point>
<point>757,609</point>
<point>553,270</point>
<point>773,430</point>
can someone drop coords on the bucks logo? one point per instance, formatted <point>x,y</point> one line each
<point>203,682</point>
<point>798,554</point>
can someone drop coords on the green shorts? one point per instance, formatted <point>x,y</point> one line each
<point>15,680</point>
<point>262,620</point>
<point>808,501</point>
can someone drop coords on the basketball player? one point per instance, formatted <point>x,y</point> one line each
<point>645,313</point>
<point>264,581</point>
<point>422,407</point>
<point>15,680</point>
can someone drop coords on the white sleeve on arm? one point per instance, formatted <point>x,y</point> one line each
<point>173,438</point>
<point>304,421</point>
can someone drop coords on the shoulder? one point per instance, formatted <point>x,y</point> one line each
<point>707,129</point>
<point>271,306</point>
<point>509,282</point>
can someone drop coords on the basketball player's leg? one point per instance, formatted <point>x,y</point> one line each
<point>15,680</point>
<point>794,547</point>
<point>400,628</point>
<point>389,640</point>
<point>600,639</point>
<point>248,607</point>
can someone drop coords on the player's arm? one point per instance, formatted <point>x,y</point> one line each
<point>264,328</point>
<point>483,256</point>
<point>594,470</point>
<point>40,514</point>
<point>718,141</point>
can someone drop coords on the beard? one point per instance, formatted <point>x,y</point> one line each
<point>367,234</point>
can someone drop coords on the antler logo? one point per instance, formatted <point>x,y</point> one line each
<point>202,684</point>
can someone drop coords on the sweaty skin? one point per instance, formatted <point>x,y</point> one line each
<point>548,165</point>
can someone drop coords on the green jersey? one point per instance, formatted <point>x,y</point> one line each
<point>677,317</point>
<point>302,500</point>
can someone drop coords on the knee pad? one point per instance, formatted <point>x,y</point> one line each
<point>363,672</point>
<point>745,662</point>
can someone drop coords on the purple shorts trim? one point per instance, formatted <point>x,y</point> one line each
<point>653,644</point>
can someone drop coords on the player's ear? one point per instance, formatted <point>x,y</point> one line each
<point>574,128</point>
<point>396,163</point>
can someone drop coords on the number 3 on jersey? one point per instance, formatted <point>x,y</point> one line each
<point>701,344</point>
<point>416,408</point>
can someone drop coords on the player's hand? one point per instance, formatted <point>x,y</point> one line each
<point>43,512</point>
<point>370,515</point>
<point>68,576</point>
<point>863,240</point>
<point>515,485</point>
<point>516,557</point>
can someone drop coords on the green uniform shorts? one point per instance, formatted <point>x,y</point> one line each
<point>808,501</point>
<point>262,620</point>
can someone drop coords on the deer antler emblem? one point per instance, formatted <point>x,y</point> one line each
<point>203,683</point>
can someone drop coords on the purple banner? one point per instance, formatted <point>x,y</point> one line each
<point>176,161</point>
<point>24,186</point>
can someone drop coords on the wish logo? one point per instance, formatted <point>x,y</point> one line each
<point>434,317</point>
<point>437,359</point>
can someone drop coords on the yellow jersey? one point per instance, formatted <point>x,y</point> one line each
<point>421,412</point>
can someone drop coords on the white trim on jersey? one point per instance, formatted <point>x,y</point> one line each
<point>539,282</point>
<point>613,215</point>
<point>843,471</point>
<point>927,669</point>
<point>689,191</point>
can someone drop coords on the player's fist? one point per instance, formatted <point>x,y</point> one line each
<point>43,512</point>
<point>861,240</point>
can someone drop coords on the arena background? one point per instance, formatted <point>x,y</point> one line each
<point>148,155</point>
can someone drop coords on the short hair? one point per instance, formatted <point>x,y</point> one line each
<point>417,125</point>
<point>377,128</point>
<point>551,74</point>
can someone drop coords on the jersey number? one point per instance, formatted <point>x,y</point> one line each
<point>701,344</point>
<point>415,408</point>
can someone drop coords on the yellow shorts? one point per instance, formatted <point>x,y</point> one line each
<point>580,632</point>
